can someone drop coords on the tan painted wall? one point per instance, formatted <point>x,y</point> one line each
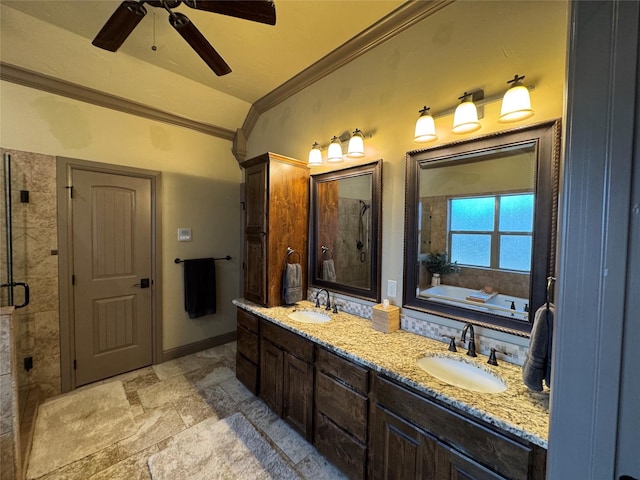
<point>200,180</point>
<point>465,46</point>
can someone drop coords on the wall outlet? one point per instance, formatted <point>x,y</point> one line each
<point>392,288</point>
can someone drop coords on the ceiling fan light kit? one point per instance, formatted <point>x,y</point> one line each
<point>129,14</point>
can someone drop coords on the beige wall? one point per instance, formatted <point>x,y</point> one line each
<point>465,46</point>
<point>200,181</point>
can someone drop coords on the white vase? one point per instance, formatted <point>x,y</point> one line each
<point>435,279</point>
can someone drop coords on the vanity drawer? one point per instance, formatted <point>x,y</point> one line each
<point>355,376</point>
<point>493,449</point>
<point>248,321</point>
<point>248,344</point>
<point>345,407</point>
<point>247,373</point>
<point>291,342</point>
<point>341,449</point>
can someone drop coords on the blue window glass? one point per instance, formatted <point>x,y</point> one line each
<point>515,252</point>
<point>471,249</point>
<point>473,214</point>
<point>516,213</point>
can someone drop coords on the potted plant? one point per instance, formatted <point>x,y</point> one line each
<point>437,263</point>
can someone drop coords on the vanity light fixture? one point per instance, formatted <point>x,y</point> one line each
<point>465,118</point>
<point>516,103</point>
<point>425,127</point>
<point>334,154</point>
<point>315,155</point>
<point>356,144</point>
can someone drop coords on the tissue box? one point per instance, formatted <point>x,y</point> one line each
<point>387,319</point>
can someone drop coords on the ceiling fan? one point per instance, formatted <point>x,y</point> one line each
<point>129,13</point>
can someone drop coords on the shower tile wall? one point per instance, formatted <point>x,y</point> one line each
<point>35,261</point>
<point>350,269</point>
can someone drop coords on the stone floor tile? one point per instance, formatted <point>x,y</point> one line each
<point>204,378</point>
<point>315,467</point>
<point>236,390</point>
<point>165,392</point>
<point>86,466</point>
<point>258,413</point>
<point>152,427</point>
<point>214,402</point>
<point>131,468</point>
<point>288,440</point>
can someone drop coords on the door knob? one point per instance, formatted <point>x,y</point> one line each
<point>144,283</point>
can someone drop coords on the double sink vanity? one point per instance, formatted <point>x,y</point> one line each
<point>365,398</point>
<point>399,405</point>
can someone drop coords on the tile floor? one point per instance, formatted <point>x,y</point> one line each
<point>173,396</point>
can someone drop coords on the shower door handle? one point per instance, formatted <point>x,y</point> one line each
<point>26,292</point>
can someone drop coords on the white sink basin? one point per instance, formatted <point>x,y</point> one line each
<point>306,316</point>
<point>459,373</point>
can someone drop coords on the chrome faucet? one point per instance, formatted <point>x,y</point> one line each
<point>472,339</point>
<point>328,305</point>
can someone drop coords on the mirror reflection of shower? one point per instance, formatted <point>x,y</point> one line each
<point>363,230</point>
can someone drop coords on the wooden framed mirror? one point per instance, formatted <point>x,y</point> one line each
<point>480,227</point>
<point>345,231</point>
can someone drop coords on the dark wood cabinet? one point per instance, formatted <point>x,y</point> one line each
<point>488,454</point>
<point>399,450</point>
<point>286,376</point>
<point>276,200</point>
<point>341,399</point>
<point>368,425</point>
<point>248,351</point>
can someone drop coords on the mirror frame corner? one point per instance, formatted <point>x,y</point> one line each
<point>547,137</point>
<point>374,292</point>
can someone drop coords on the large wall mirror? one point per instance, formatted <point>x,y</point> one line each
<point>480,219</point>
<point>344,233</point>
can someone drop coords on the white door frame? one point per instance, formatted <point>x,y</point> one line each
<point>64,169</point>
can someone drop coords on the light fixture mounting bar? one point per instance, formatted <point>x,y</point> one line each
<point>479,102</point>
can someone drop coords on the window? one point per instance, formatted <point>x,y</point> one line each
<point>492,231</point>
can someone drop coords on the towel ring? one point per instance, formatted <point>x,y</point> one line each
<point>290,251</point>
<point>326,249</point>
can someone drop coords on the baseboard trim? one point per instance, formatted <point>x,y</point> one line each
<point>198,346</point>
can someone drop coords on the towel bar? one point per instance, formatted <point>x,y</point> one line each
<point>228,257</point>
<point>326,249</point>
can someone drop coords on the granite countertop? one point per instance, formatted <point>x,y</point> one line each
<point>517,410</point>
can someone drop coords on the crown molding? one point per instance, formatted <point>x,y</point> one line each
<point>28,78</point>
<point>403,17</point>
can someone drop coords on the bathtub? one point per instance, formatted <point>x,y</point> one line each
<point>498,305</point>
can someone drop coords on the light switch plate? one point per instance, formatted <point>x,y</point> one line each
<point>184,234</point>
<point>392,288</point>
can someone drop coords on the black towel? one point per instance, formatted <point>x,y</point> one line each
<point>200,287</point>
<point>537,364</point>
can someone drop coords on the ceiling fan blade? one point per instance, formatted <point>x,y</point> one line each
<point>120,25</point>
<point>199,43</point>
<point>263,11</point>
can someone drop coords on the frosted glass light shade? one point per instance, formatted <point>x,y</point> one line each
<point>356,145</point>
<point>334,154</point>
<point>315,155</point>
<point>516,105</point>
<point>465,118</point>
<point>425,128</point>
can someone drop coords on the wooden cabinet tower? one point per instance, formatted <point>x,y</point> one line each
<point>276,217</point>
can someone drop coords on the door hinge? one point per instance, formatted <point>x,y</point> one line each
<point>70,188</point>
<point>73,279</point>
<point>75,365</point>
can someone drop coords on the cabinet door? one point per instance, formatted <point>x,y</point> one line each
<point>255,273</point>
<point>398,450</point>
<point>453,465</point>
<point>271,365</point>
<point>256,198</point>
<point>298,395</point>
